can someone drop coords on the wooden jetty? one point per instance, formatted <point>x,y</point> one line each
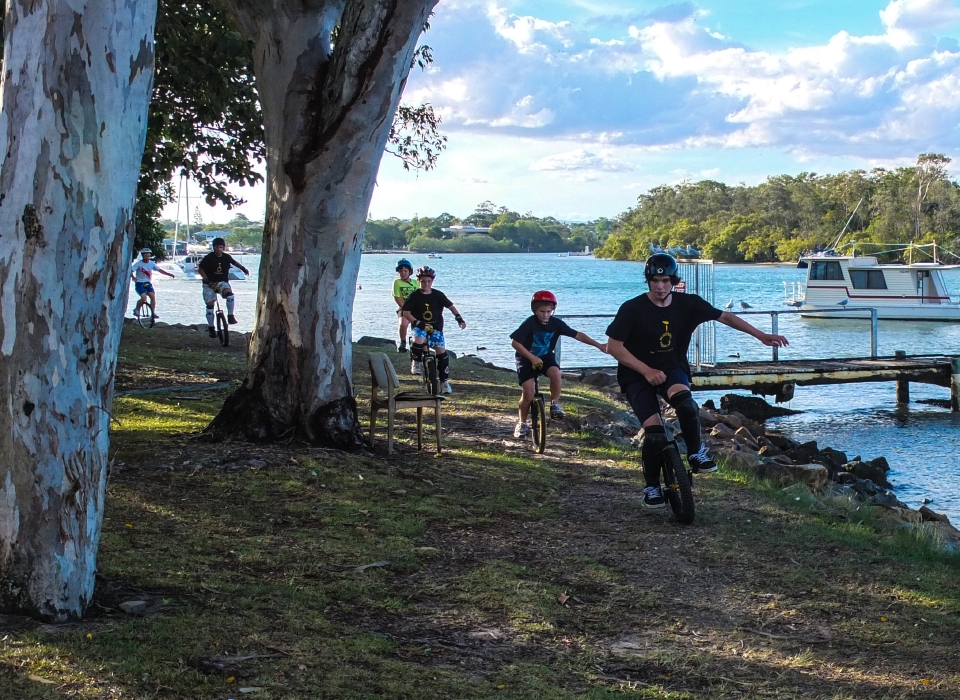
<point>779,378</point>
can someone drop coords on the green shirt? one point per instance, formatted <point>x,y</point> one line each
<point>404,289</point>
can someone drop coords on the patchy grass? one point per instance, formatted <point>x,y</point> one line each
<point>490,572</point>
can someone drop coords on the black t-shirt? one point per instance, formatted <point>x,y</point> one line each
<point>217,267</point>
<point>658,336</point>
<point>428,307</point>
<point>541,338</point>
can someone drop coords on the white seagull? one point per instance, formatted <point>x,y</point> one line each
<point>843,302</point>
<point>744,305</point>
<point>729,305</point>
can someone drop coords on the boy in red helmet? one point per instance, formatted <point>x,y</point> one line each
<point>535,341</point>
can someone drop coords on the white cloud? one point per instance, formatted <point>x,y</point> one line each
<point>666,80</point>
<point>911,15</point>
<point>584,160</point>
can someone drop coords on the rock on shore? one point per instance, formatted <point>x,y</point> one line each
<point>739,440</point>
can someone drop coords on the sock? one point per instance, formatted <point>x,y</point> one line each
<point>230,303</point>
<point>210,317</point>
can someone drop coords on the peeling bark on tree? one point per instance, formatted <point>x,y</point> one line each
<point>327,115</point>
<point>75,92</point>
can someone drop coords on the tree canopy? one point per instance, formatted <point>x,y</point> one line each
<point>510,232</point>
<point>788,215</point>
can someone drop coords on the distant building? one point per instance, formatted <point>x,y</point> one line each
<point>181,247</point>
<point>465,229</point>
<point>210,235</point>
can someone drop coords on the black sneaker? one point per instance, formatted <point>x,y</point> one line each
<point>231,319</point>
<point>652,497</point>
<point>211,331</point>
<point>700,463</point>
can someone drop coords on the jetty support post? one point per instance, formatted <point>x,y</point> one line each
<point>955,384</point>
<point>874,332</point>
<point>775,329</point>
<point>903,386</point>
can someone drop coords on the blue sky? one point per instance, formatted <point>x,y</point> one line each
<point>572,108</point>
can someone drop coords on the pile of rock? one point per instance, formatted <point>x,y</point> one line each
<point>742,443</point>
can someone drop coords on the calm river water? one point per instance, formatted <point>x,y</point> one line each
<point>493,291</point>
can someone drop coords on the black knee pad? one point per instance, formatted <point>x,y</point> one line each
<point>416,352</point>
<point>684,404</point>
<point>654,440</point>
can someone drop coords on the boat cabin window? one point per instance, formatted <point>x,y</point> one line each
<point>825,270</point>
<point>868,279</point>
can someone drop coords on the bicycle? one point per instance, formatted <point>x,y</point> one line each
<point>144,312</point>
<point>538,418</point>
<point>223,329</point>
<point>677,484</point>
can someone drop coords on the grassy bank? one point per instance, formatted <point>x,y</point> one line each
<point>295,572</point>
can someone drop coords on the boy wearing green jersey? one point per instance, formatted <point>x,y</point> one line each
<point>403,287</point>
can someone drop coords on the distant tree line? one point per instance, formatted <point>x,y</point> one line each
<point>786,216</point>
<point>241,231</point>
<point>510,232</point>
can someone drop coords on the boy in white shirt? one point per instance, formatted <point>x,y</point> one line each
<point>142,274</point>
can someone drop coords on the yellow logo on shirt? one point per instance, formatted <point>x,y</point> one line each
<point>427,313</point>
<point>666,340</point>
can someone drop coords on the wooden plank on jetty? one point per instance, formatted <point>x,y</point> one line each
<point>760,375</point>
<point>779,377</point>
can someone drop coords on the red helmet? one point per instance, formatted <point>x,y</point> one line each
<point>426,272</point>
<point>543,295</point>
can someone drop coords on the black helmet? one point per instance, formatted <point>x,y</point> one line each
<point>405,263</point>
<point>219,241</point>
<point>662,264</point>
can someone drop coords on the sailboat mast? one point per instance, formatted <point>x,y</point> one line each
<point>176,223</point>
<point>187,195</point>
<point>847,225</point>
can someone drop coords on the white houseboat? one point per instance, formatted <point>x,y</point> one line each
<point>914,291</point>
<point>189,266</point>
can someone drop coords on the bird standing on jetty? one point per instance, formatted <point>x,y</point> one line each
<point>843,302</point>
<point>729,305</point>
<point>744,305</point>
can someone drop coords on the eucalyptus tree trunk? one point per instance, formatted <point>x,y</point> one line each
<point>327,113</point>
<point>73,109</point>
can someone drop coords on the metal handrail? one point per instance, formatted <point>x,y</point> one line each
<point>874,323</point>
<point>774,324</point>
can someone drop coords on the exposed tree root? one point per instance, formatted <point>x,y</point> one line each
<point>245,415</point>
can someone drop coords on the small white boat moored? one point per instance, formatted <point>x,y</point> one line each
<point>189,266</point>
<point>914,291</point>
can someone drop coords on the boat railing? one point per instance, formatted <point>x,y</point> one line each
<point>793,291</point>
<point>774,328</point>
<point>775,323</point>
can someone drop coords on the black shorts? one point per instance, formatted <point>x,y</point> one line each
<point>642,396</point>
<point>525,370</point>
